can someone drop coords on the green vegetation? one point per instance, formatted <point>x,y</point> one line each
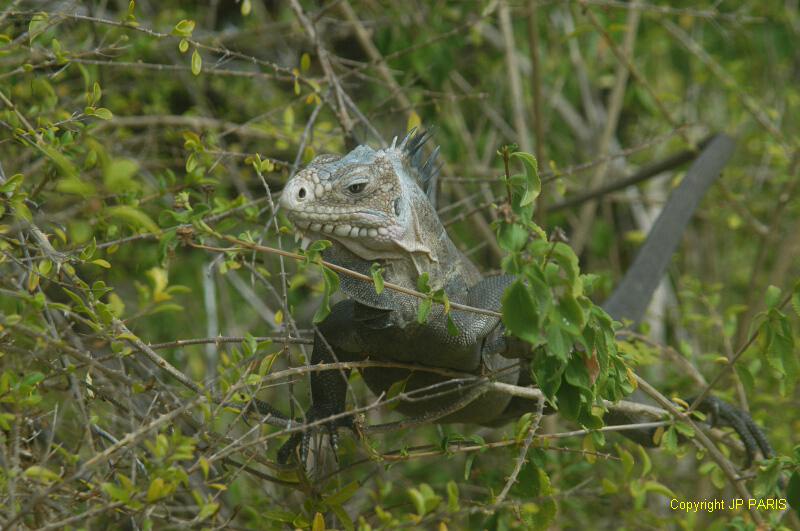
<point>144,299</point>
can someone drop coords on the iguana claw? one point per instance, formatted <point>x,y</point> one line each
<point>303,438</point>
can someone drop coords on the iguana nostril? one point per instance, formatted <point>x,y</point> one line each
<point>301,193</point>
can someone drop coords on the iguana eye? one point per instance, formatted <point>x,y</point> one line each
<point>356,188</point>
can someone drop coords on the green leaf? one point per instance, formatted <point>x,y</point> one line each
<point>512,237</point>
<point>422,283</point>
<point>395,389</point>
<point>76,186</point>
<point>156,490</point>
<point>184,28</point>
<point>132,216</point>
<point>572,316</point>
<point>66,166</point>
<point>533,184</point>
<point>11,184</point>
<point>93,97</point>
<point>423,310</point>
<point>331,286</point>
<point>796,300</point>
<point>207,509</point>
<point>418,500</point>
<point>452,497</point>
<point>452,328</point>
<point>118,175</point>
<point>793,492</point>
<point>41,474</point>
<point>37,25</point>
<point>520,314</point>
<point>102,113</point>
<point>343,494</point>
<point>772,297</point>
<point>197,62</point>
<point>376,271</point>
<point>670,439</point>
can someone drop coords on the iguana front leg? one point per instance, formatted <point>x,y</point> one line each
<point>333,342</point>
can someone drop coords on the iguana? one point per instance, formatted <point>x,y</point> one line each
<point>378,205</point>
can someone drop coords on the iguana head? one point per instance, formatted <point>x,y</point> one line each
<point>373,202</point>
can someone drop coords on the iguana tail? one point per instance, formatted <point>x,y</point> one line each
<point>632,296</point>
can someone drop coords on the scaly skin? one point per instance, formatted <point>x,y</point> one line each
<point>376,206</point>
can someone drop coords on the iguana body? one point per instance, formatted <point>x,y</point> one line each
<point>376,206</point>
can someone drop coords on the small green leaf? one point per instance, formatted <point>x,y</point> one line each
<point>773,297</point>
<point>11,184</point>
<point>452,328</point>
<point>133,216</point>
<point>102,113</point>
<point>155,490</point>
<point>331,286</point>
<point>376,271</point>
<point>343,494</point>
<point>532,181</point>
<point>197,62</point>
<point>452,497</point>
<point>793,492</point>
<point>102,263</point>
<point>41,474</point>
<point>423,310</point>
<point>184,28</point>
<point>422,283</point>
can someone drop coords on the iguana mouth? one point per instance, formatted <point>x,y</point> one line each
<point>340,229</point>
<point>352,224</point>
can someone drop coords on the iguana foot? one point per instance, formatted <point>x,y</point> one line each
<point>720,413</point>
<point>302,439</point>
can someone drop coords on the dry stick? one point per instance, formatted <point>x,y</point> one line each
<point>614,108</point>
<point>374,55</point>
<point>338,269</point>
<point>634,72</point>
<point>671,353</point>
<point>383,70</point>
<point>514,81</point>
<point>430,450</point>
<point>648,172</point>
<point>82,517</point>
<point>106,454</point>
<point>749,103</point>
<point>703,440</point>
<point>407,456</point>
<point>155,358</point>
<point>708,14</point>
<point>196,122</point>
<point>536,90</point>
<point>523,454</point>
<point>787,193</point>
<point>732,361</point>
<point>340,109</point>
<point>226,339</point>
<point>225,52</point>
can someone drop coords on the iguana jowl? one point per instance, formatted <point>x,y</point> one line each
<point>378,206</point>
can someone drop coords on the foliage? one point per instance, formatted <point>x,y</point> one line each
<point>149,291</point>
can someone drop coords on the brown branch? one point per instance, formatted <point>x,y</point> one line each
<point>703,440</point>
